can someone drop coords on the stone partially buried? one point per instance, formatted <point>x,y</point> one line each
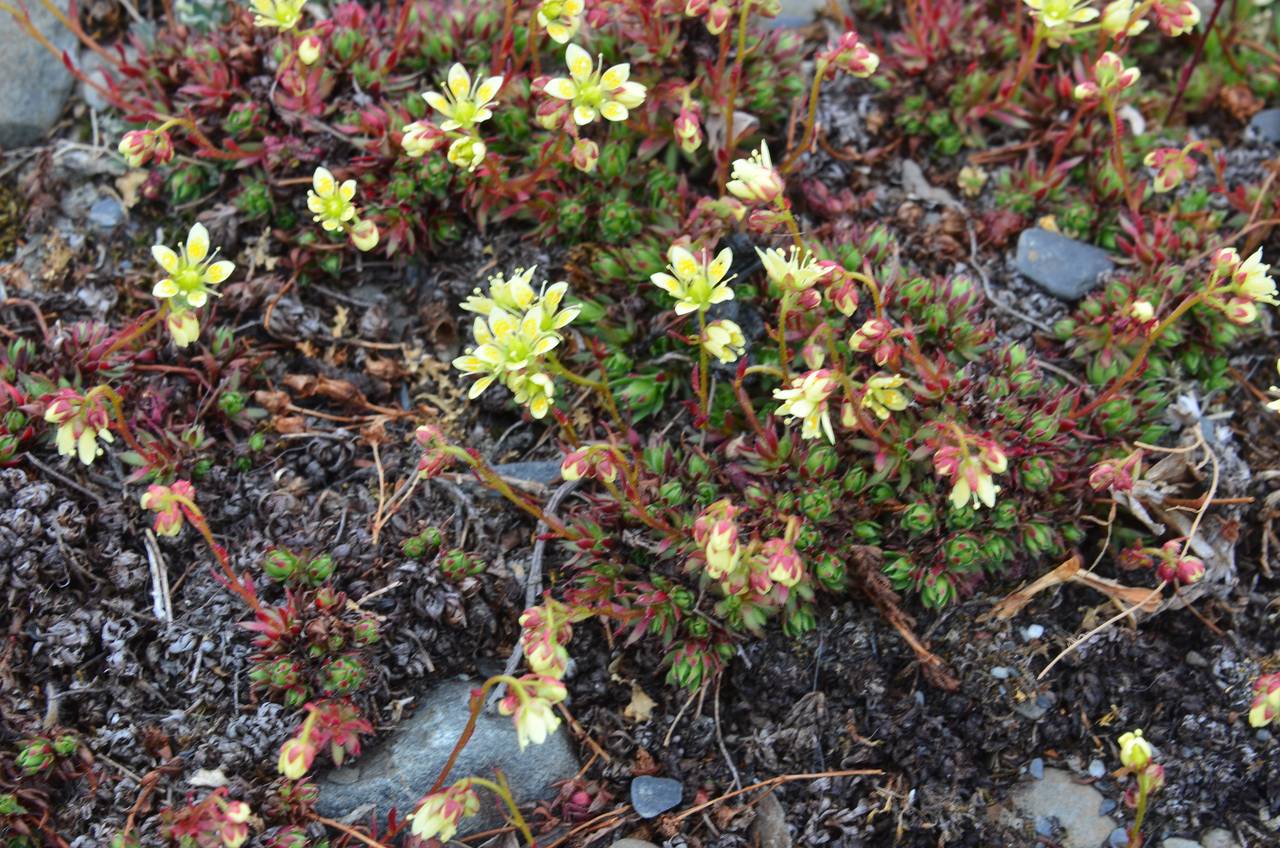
<point>402,768</point>
<point>33,82</point>
<point>1064,267</point>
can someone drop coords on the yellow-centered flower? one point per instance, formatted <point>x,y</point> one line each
<point>464,103</point>
<point>192,273</point>
<point>560,18</point>
<point>330,202</point>
<point>594,91</point>
<point>881,395</point>
<point>794,271</point>
<point>697,284</point>
<point>724,340</point>
<point>806,399</point>
<point>1059,13</point>
<point>281,14</point>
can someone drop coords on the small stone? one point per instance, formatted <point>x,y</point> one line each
<point>399,770</point>
<point>1196,661</point>
<point>1044,826</point>
<point>546,472</point>
<point>1032,632</point>
<point>1219,838</point>
<point>1263,735</point>
<point>1036,769</point>
<point>1119,838</point>
<point>33,82</point>
<point>1000,673</point>
<point>633,843</point>
<point>1097,769</point>
<point>106,214</point>
<point>1265,125</point>
<point>770,827</point>
<point>1064,267</point>
<point>652,796</point>
<point>1030,710</point>
<point>1179,842</point>
<point>1072,804</point>
<point>1107,807</point>
<point>797,13</point>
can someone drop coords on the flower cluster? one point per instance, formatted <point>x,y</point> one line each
<point>716,532</point>
<point>438,815</point>
<point>1174,567</point>
<point>850,55</point>
<point>715,14</point>
<point>723,339</point>
<point>1266,700</point>
<point>755,180</point>
<point>1173,165</point>
<point>192,275</point>
<point>793,271</point>
<point>593,91</point>
<point>560,18</point>
<point>82,420</point>
<point>1116,476</point>
<point>1120,20</point>
<point>1236,286</point>
<point>805,398</point>
<point>172,505</point>
<point>1176,17</point>
<point>516,332</point>
<point>1110,78</point>
<point>213,822</point>
<point>465,104</point>
<point>333,723</point>
<point>971,470</point>
<point>331,204</point>
<point>138,147</point>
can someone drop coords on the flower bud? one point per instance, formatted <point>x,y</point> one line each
<point>1135,752</point>
<point>850,55</point>
<point>1266,701</point>
<point>420,138</point>
<point>309,50</point>
<point>586,155</point>
<point>755,180</point>
<point>364,235</point>
<point>688,128</point>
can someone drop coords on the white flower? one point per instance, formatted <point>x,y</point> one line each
<point>795,271</point>
<point>464,103</point>
<point>755,180</point>
<point>594,92</point>
<point>191,272</point>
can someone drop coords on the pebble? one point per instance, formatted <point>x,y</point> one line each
<point>1036,769</point>
<point>1196,661</point>
<point>1265,125</point>
<point>633,843</point>
<point>769,830</point>
<point>33,82</point>
<point>1107,807</point>
<point>106,214</point>
<point>1263,735</point>
<point>1000,672</point>
<point>1032,632</point>
<point>1030,710</point>
<point>1065,268</point>
<point>402,767</point>
<point>1119,838</point>
<point>652,796</point>
<point>1072,804</point>
<point>1218,838</point>
<point>1179,842</point>
<point>546,472</point>
<point>1097,769</point>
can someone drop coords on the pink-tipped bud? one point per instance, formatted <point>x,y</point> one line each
<point>585,156</point>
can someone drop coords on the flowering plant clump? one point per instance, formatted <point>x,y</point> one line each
<point>776,379</point>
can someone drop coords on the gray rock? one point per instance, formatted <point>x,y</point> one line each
<point>915,185</point>
<point>1073,805</point>
<point>546,472</point>
<point>1196,661</point>
<point>1032,632</point>
<point>1219,838</point>
<point>402,768</point>
<point>1064,267</point>
<point>1107,807</point>
<point>1036,769</point>
<point>1119,838</point>
<point>633,843</point>
<point>1265,126</point>
<point>106,214</point>
<point>1031,710</point>
<point>1097,769</point>
<point>1179,842</point>
<point>797,13</point>
<point>1000,673</point>
<point>652,796</point>
<point>33,82</point>
<point>769,830</point>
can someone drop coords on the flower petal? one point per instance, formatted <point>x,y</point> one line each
<point>347,190</point>
<point>197,298</point>
<point>219,271</point>
<point>615,76</point>
<point>459,81</point>
<point>167,259</point>
<point>488,90</point>
<point>437,101</point>
<point>583,115</point>
<point>322,181</point>
<point>164,288</point>
<point>614,111</point>
<point>579,63</point>
<point>561,88</point>
<point>197,243</point>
